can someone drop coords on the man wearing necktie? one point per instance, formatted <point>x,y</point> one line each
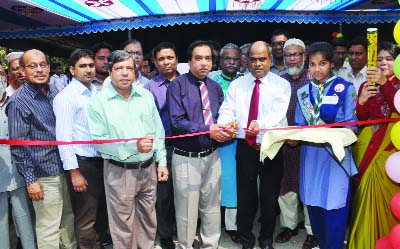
<point>193,104</point>
<point>256,101</point>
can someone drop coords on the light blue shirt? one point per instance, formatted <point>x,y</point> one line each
<point>324,181</point>
<point>70,108</point>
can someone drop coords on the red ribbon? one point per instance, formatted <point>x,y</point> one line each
<point>107,141</point>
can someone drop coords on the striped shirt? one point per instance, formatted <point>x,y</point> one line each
<point>70,108</point>
<point>31,117</point>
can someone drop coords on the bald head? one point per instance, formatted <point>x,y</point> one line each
<point>259,59</point>
<point>35,66</point>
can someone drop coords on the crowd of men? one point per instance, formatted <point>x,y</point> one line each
<point>71,196</point>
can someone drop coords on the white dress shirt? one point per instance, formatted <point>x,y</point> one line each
<point>347,74</point>
<point>273,103</point>
<point>70,108</point>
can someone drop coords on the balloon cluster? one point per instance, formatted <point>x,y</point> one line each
<point>337,35</point>
<point>396,34</point>
<point>392,241</point>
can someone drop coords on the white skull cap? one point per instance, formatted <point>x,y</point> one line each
<point>294,41</point>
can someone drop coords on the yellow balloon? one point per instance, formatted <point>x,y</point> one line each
<point>395,135</point>
<point>396,32</point>
<point>339,35</point>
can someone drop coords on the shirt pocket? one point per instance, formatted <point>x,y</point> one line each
<point>149,128</point>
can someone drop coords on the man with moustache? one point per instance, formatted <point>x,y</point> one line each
<point>101,52</point>
<point>166,61</point>
<point>31,117</point>
<point>193,104</point>
<point>122,111</point>
<point>340,49</point>
<point>357,73</point>
<point>257,100</point>
<point>82,163</point>
<point>16,76</point>
<point>134,48</point>
<point>12,186</point>
<point>294,55</point>
<point>229,64</point>
<point>278,39</point>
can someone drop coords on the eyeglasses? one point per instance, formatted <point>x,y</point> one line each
<point>136,53</point>
<point>34,66</point>
<point>276,44</point>
<point>231,58</point>
<point>294,55</point>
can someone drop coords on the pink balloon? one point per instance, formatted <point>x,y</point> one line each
<point>393,167</point>
<point>384,243</point>
<point>396,100</point>
<point>395,205</point>
<point>395,236</point>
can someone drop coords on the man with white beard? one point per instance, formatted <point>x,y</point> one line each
<point>294,56</point>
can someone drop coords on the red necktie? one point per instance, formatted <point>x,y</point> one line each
<point>253,111</point>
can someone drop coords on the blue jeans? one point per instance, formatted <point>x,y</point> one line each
<point>23,223</point>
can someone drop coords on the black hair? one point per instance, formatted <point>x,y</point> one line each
<point>79,53</point>
<point>96,47</point>
<point>161,46</point>
<point>277,32</point>
<point>55,65</point>
<point>359,40</point>
<point>392,48</point>
<point>341,42</point>
<point>194,45</point>
<point>214,45</point>
<point>323,48</point>
<point>127,42</point>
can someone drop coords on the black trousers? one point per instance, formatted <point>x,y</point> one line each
<point>165,208</point>
<point>90,208</point>
<point>249,169</point>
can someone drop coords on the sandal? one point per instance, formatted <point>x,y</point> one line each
<point>234,235</point>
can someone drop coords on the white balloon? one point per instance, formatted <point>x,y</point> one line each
<point>396,101</point>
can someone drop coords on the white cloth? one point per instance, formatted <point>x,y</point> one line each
<point>70,108</point>
<point>338,138</point>
<point>59,81</point>
<point>141,81</point>
<point>10,90</point>
<point>230,219</point>
<point>273,103</point>
<point>347,73</point>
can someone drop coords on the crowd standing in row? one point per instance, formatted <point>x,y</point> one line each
<point>142,188</point>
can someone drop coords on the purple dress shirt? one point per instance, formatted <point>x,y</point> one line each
<point>158,87</point>
<point>185,111</point>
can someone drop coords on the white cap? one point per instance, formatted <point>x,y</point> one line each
<point>14,56</point>
<point>294,41</point>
